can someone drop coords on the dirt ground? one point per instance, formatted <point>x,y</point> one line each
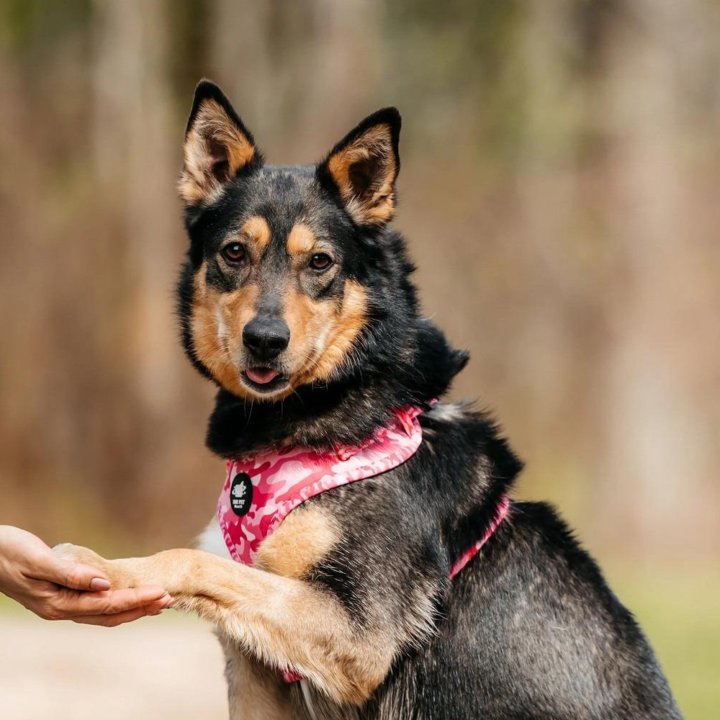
<point>155,668</point>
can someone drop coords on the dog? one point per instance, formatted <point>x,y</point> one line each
<point>396,580</point>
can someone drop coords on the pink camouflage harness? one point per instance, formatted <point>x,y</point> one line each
<point>262,490</point>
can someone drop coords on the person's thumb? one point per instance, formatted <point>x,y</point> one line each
<point>77,576</point>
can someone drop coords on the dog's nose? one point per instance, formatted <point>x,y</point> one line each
<point>266,337</point>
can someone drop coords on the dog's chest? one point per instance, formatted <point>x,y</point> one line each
<point>211,540</point>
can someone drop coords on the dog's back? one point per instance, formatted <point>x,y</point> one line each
<point>533,631</point>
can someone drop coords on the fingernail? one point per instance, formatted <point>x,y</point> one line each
<point>99,584</point>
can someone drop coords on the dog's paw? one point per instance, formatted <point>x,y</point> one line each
<point>113,569</point>
<point>79,554</point>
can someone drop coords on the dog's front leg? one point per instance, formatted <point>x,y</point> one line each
<point>284,622</point>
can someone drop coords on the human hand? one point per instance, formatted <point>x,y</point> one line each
<point>59,589</point>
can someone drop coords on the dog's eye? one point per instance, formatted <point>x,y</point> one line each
<point>234,253</point>
<point>321,261</point>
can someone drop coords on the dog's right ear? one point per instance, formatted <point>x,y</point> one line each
<point>217,147</point>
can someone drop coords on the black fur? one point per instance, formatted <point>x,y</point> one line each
<point>529,629</point>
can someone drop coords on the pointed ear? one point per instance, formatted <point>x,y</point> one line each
<point>363,166</point>
<point>217,147</point>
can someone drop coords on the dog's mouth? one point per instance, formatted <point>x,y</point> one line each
<point>264,379</point>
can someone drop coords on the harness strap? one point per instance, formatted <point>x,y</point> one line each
<point>500,514</point>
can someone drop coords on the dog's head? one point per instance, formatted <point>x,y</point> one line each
<point>276,292</point>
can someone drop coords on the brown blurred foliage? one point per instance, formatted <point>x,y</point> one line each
<point>561,165</point>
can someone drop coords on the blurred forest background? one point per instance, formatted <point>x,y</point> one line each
<point>560,193</point>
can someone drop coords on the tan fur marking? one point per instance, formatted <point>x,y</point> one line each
<point>298,545</point>
<point>257,231</point>
<point>379,207</point>
<point>211,128</point>
<point>323,332</point>
<point>345,329</point>
<point>301,239</point>
<point>216,327</point>
<point>306,319</point>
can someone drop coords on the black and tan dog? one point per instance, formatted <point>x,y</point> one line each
<point>296,300</point>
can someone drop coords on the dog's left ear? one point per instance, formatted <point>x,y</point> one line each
<point>363,166</point>
<point>217,147</point>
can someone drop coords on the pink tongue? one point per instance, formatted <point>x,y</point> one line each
<point>261,376</point>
